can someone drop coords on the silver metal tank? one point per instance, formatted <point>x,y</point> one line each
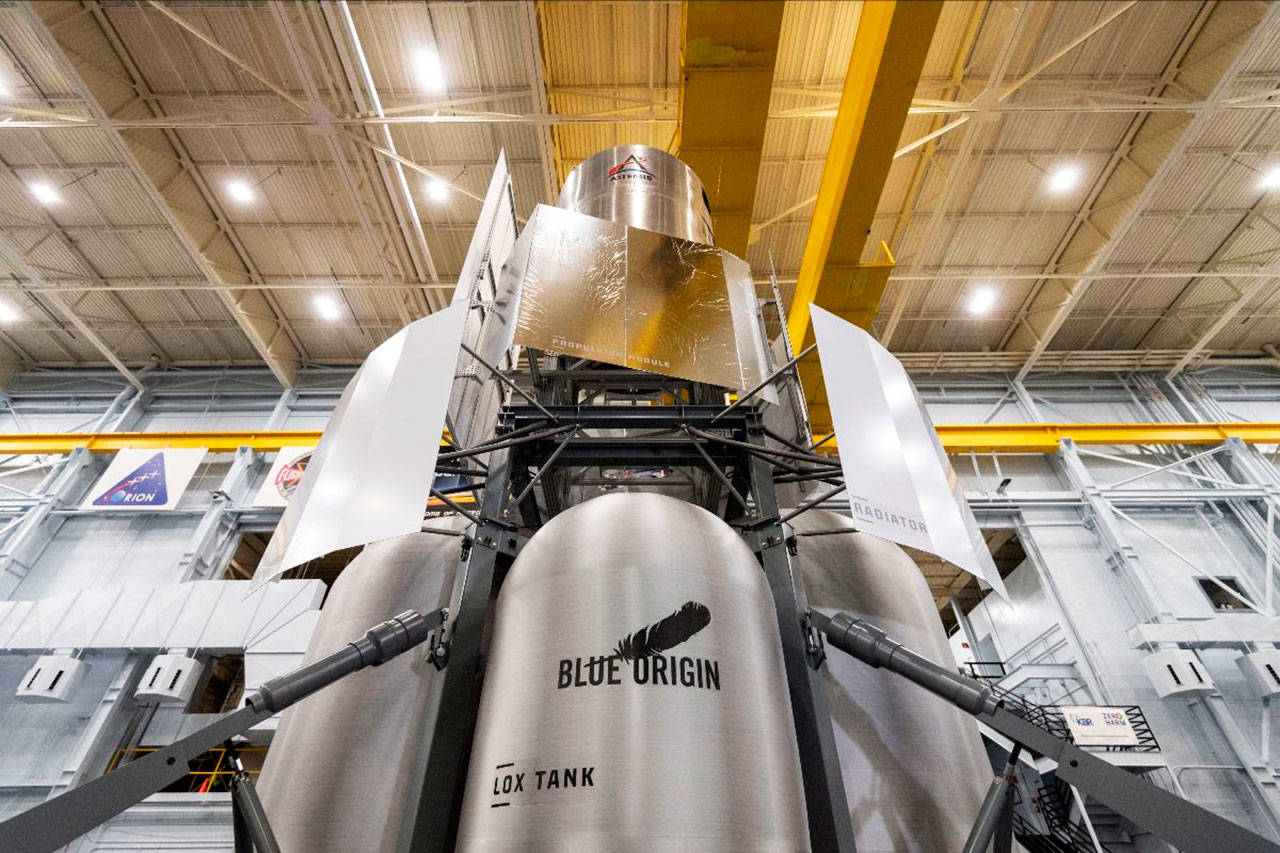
<point>345,762</point>
<point>914,768</point>
<point>642,187</point>
<point>635,696</point>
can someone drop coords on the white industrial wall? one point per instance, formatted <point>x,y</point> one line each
<point>1073,602</point>
<point>56,548</point>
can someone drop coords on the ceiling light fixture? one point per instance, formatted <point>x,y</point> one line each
<point>429,70</point>
<point>982,300</point>
<point>1064,179</point>
<point>327,307</point>
<point>240,191</point>
<point>45,192</point>
<point>437,190</point>
<point>9,312</point>
<point>1270,179</point>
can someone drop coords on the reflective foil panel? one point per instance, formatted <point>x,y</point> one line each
<point>678,313</point>
<point>601,290</point>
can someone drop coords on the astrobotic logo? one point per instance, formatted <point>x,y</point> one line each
<point>631,169</point>
<point>145,486</point>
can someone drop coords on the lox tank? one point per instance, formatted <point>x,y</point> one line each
<point>635,696</point>
<point>346,761</point>
<point>913,765</point>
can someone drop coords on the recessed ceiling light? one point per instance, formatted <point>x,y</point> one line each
<point>1064,178</point>
<point>429,70</point>
<point>9,312</point>
<point>982,300</point>
<point>1270,179</point>
<point>45,192</point>
<point>240,191</point>
<point>437,190</point>
<point>327,307</point>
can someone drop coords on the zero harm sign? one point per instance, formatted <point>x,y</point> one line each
<point>1099,725</point>
<point>145,479</point>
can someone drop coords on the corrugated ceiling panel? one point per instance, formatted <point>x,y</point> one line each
<point>607,57</point>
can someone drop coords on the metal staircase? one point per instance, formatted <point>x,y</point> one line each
<point>1045,821</point>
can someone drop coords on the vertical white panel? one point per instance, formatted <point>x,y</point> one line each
<point>371,473</point>
<point>901,485</point>
<point>490,322</point>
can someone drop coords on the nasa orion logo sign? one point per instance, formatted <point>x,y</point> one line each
<point>144,486</point>
<point>631,169</point>
<point>140,479</point>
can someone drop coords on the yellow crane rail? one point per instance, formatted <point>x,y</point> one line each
<point>33,443</point>
<point>1044,438</point>
<point>956,438</point>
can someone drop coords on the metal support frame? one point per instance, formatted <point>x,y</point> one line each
<point>995,817</point>
<point>1121,555</point>
<point>435,824</point>
<point>666,435</point>
<point>248,817</point>
<point>830,827</point>
<point>766,381</point>
<point>501,377</point>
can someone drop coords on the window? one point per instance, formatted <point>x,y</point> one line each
<point>1223,601</point>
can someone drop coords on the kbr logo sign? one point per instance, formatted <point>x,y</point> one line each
<point>144,486</point>
<point>631,169</point>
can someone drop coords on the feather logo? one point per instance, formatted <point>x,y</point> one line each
<point>666,633</point>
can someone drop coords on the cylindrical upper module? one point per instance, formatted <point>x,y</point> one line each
<point>642,187</point>
<point>913,765</point>
<point>344,768</point>
<point>635,696</point>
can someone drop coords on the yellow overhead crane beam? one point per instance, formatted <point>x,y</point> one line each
<point>1044,438</point>
<point>730,48</point>
<point>41,443</point>
<point>956,438</point>
<point>889,51</point>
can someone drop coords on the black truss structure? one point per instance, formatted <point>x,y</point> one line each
<point>732,462</point>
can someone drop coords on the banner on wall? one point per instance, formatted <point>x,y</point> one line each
<point>283,478</point>
<point>145,479</point>
<point>1093,725</point>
